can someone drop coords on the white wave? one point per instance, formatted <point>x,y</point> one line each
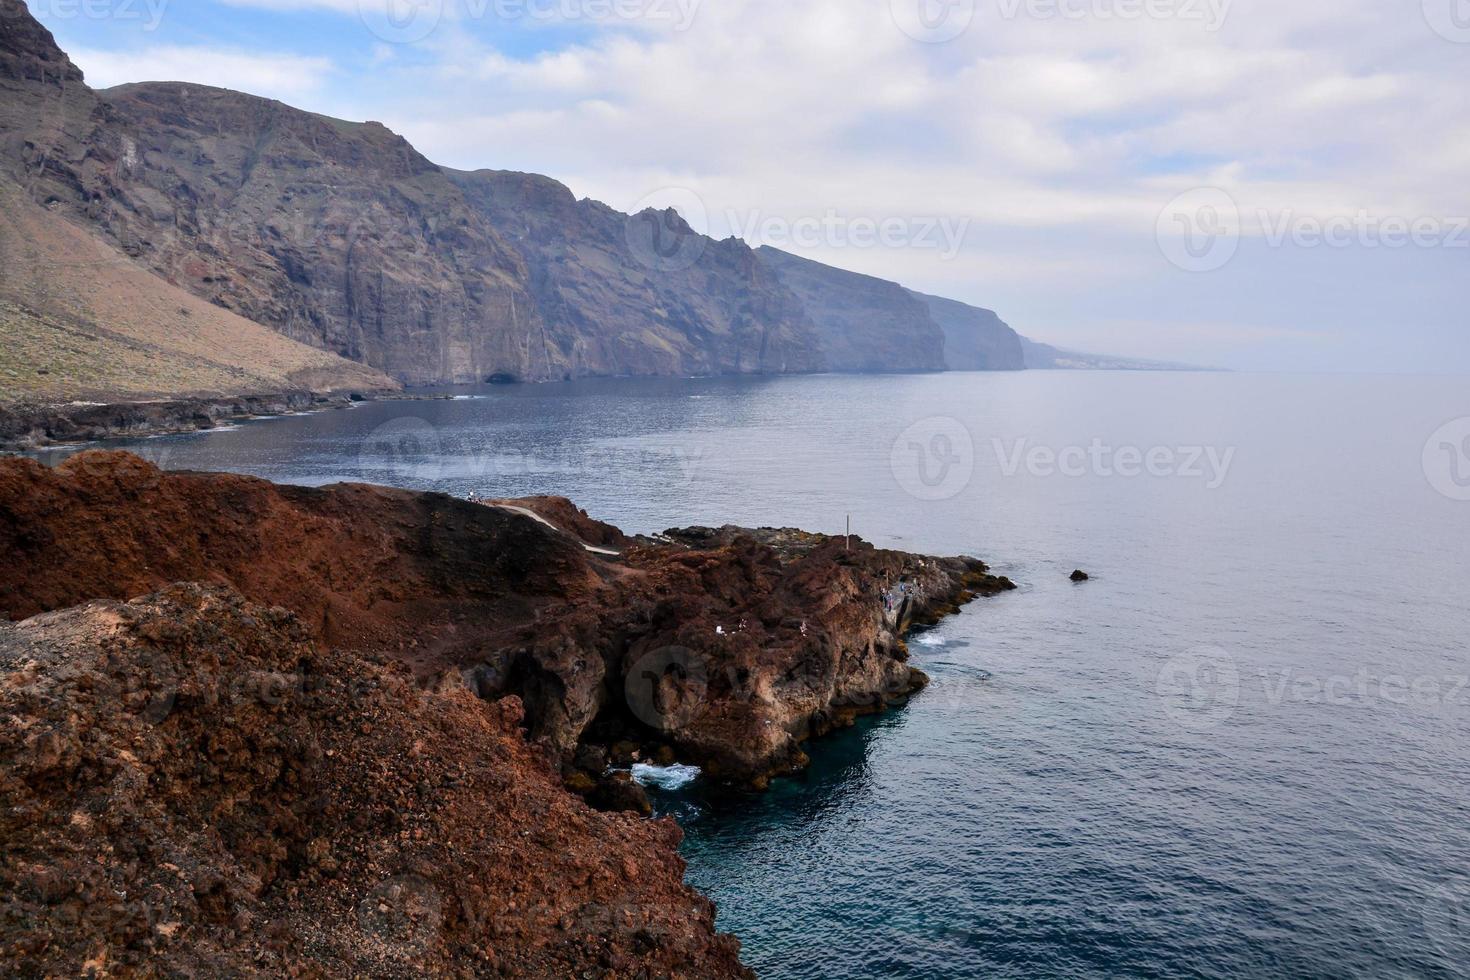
<point>664,777</point>
<point>930,640</point>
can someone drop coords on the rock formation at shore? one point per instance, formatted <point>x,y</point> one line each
<point>755,639</point>
<point>303,745</point>
<point>191,785</point>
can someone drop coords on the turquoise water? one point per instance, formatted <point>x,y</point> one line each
<point>1243,749</point>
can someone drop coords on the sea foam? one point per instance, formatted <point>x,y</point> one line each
<point>665,777</point>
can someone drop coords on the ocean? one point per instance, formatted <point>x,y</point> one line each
<point>1241,749</point>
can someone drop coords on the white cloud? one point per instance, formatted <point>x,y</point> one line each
<point>1060,139</point>
<point>278,76</point>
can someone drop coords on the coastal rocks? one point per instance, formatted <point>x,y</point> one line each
<point>721,647</point>
<point>190,779</point>
<point>25,427</point>
<point>1081,576</point>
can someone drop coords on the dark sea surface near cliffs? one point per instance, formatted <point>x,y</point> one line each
<point>1243,749</point>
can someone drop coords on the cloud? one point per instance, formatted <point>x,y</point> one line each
<point>1059,138</point>
<point>284,77</point>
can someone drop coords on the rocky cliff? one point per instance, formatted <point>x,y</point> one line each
<point>342,236</point>
<point>310,759</point>
<point>643,294</point>
<point>190,785</point>
<point>767,637</point>
<point>975,339</point>
<point>866,323</point>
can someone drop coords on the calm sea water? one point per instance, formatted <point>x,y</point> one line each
<point>1243,749</point>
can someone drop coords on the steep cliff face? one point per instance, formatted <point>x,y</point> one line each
<point>342,236</point>
<point>866,324</point>
<point>643,294</point>
<point>82,320</point>
<point>335,234</point>
<point>975,339</point>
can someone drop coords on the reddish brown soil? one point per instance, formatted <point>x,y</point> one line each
<point>155,803</point>
<point>190,786</point>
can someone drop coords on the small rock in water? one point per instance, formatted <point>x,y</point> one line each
<point>1080,576</point>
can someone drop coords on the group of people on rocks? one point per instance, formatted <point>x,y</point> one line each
<point>893,597</point>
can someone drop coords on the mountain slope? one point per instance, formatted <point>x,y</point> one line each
<point>866,324</point>
<point>342,236</point>
<point>78,320</point>
<point>629,302</point>
<point>975,339</point>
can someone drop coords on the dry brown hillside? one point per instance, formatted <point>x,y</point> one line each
<point>81,321</point>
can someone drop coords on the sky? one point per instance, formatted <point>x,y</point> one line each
<point>1250,184</point>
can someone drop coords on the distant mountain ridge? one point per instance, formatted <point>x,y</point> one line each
<point>342,236</point>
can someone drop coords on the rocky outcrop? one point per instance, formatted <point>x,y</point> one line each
<point>726,647</point>
<point>192,785</point>
<point>342,236</point>
<point>974,339</point>
<point>310,760</point>
<point>643,294</point>
<point>24,427</point>
<point>866,324</point>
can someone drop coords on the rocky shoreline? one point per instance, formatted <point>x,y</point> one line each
<point>26,427</point>
<point>547,650</point>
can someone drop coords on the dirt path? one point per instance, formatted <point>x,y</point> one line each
<point>527,512</point>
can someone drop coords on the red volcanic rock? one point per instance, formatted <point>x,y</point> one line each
<point>726,647</point>
<point>190,785</point>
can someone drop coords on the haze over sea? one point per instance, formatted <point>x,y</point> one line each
<point>1242,749</point>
